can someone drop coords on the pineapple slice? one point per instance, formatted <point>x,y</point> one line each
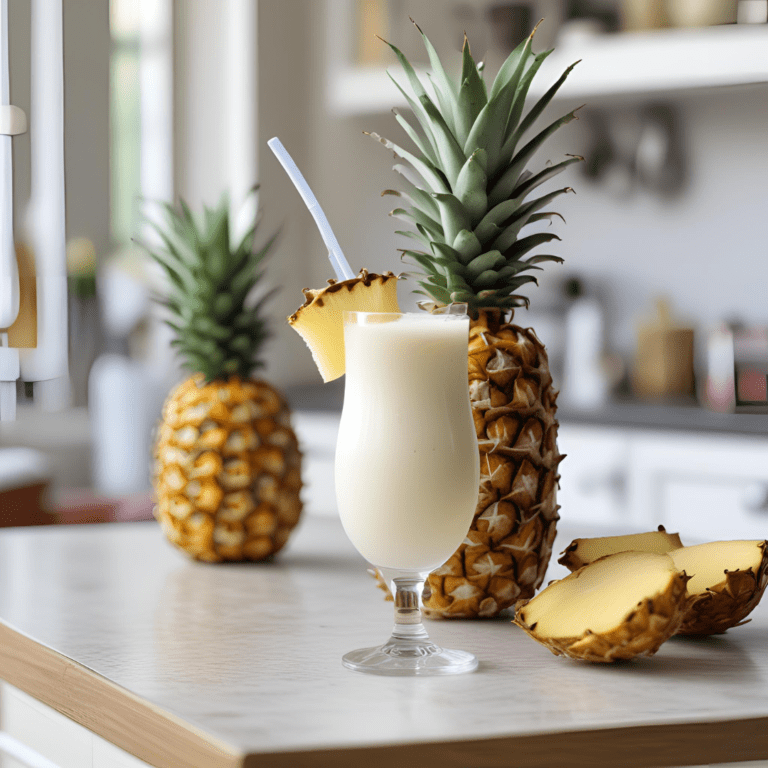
<point>582,551</point>
<point>618,607</point>
<point>728,579</point>
<point>319,321</point>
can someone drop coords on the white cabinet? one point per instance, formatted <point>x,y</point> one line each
<point>317,432</point>
<point>54,736</point>
<point>705,485</point>
<point>593,475</point>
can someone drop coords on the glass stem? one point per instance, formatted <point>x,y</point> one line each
<point>408,624</point>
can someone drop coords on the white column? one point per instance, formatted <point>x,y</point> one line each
<point>48,362</point>
<point>9,276</point>
<point>242,115</point>
<point>156,84</point>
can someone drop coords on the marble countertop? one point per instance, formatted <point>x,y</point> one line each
<point>190,664</point>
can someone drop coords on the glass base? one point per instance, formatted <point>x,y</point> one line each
<point>419,658</point>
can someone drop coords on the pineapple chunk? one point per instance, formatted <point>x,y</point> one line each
<point>320,322</point>
<point>582,551</point>
<point>618,607</point>
<point>728,579</point>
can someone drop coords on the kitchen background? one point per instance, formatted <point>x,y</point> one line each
<point>665,246</point>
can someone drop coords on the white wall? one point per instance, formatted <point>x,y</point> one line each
<point>707,249</point>
<point>203,159</point>
<point>200,108</point>
<point>288,82</point>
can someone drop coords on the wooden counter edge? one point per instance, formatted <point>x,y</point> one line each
<point>165,740</point>
<point>107,709</point>
<point>646,746</point>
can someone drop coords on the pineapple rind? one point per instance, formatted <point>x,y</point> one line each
<point>469,199</point>
<point>645,628</point>
<point>508,547</point>
<point>727,604</point>
<point>227,470</point>
<point>319,321</point>
<point>582,551</point>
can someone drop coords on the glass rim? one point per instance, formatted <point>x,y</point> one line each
<point>349,315</point>
<point>455,310</point>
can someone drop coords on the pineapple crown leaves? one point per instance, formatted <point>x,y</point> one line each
<point>468,193</point>
<point>219,329</point>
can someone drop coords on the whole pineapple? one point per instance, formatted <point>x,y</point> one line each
<point>469,201</point>
<point>227,463</point>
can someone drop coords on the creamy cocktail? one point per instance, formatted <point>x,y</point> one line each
<point>407,467</point>
<point>407,464</point>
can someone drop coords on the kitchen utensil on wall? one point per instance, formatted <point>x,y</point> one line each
<point>659,160</point>
<point>509,24</point>
<point>663,364</point>
<point>636,146</point>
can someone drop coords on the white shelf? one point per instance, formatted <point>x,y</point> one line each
<point>612,66</point>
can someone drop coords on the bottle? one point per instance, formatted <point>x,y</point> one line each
<point>585,383</point>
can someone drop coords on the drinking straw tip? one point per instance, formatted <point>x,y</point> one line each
<point>338,262</point>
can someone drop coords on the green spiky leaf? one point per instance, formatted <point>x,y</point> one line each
<point>477,181</point>
<point>218,331</point>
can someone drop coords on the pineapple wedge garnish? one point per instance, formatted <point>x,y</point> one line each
<point>620,606</point>
<point>728,578</point>
<point>320,321</point>
<point>582,551</point>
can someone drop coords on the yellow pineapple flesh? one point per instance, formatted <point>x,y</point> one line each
<point>728,578</point>
<point>582,551</point>
<point>618,607</point>
<point>319,321</point>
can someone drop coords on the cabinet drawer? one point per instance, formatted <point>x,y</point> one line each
<point>593,474</point>
<point>706,487</point>
<point>711,509</point>
<point>54,736</point>
<point>45,730</point>
<point>317,433</point>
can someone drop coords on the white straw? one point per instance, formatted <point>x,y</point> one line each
<point>338,262</point>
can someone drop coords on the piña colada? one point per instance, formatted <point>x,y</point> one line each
<point>227,463</point>
<point>471,201</point>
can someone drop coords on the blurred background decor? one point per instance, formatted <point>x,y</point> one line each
<point>169,98</point>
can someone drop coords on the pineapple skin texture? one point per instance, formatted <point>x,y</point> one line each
<point>641,633</point>
<point>727,604</point>
<point>508,547</point>
<point>227,473</point>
